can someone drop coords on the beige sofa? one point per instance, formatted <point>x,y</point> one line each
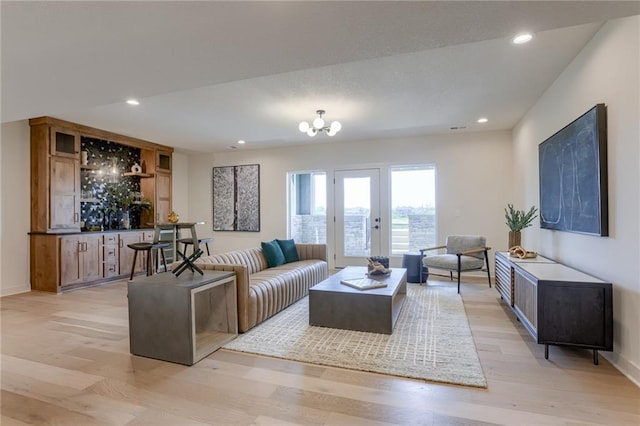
<point>264,291</point>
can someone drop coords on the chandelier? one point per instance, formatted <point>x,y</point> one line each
<point>318,125</point>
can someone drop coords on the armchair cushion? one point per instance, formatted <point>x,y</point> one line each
<point>450,262</point>
<point>463,253</point>
<point>460,243</point>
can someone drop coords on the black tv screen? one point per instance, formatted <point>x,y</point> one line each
<point>573,176</point>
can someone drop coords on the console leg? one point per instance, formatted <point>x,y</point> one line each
<point>595,357</point>
<point>546,351</point>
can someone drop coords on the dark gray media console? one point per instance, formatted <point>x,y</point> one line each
<point>558,305</point>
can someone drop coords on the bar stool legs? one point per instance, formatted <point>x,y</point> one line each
<point>189,242</point>
<point>150,249</point>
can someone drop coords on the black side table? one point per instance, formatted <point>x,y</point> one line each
<point>412,262</point>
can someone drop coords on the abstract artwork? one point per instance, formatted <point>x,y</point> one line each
<point>573,176</point>
<point>236,198</point>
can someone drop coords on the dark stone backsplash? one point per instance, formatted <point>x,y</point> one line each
<point>103,192</point>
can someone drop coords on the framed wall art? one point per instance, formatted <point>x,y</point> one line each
<point>573,176</point>
<point>236,198</point>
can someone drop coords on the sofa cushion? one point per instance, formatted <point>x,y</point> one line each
<point>273,253</point>
<point>289,250</point>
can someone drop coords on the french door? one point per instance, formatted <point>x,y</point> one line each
<point>358,228</point>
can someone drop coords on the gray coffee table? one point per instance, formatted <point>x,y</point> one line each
<point>335,305</point>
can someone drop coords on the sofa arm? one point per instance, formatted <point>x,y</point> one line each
<point>242,288</point>
<point>312,251</point>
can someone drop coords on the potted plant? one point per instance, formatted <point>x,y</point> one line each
<point>132,204</point>
<point>118,204</point>
<point>517,220</point>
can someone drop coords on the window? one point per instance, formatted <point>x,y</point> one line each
<point>413,208</point>
<point>308,207</point>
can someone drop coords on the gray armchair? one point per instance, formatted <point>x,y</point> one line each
<point>463,253</point>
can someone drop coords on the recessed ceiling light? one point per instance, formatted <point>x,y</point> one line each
<point>133,102</point>
<point>241,142</point>
<point>482,120</point>
<point>522,38</point>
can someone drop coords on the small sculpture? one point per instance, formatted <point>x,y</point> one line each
<point>136,168</point>
<point>518,251</point>
<point>173,217</point>
<point>377,268</point>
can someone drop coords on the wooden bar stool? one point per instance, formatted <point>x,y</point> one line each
<point>150,248</point>
<point>188,241</point>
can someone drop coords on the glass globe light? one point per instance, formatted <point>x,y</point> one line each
<point>318,123</point>
<point>331,132</point>
<point>312,132</point>
<point>303,127</point>
<point>335,127</point>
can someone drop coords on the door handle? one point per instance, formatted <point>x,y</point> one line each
<point>376,227</point>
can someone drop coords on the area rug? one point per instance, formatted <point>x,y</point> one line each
<point>431,340</point>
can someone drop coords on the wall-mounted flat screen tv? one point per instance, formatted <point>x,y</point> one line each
<point>573,176</point>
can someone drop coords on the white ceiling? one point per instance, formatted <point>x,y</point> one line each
<point>210,73</point>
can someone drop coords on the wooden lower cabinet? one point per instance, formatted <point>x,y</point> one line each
<point>558,305</point>
<point>61,262</point>
<point>80,259</point>
<point>504,278</point>
<point>126,254</point>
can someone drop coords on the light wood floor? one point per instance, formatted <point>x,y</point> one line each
<point>66,361</point>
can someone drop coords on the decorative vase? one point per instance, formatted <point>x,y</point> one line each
<point>126,223</point>
<point>173,217</point>
<point>514,238</point>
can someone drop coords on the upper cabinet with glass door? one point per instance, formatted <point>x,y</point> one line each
<point>163,161</point>
<point>65,143</point>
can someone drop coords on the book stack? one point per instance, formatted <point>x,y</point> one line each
<point>363,283</point>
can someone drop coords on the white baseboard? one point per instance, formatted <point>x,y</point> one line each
<point>8,291</point>
<point>626,367</point>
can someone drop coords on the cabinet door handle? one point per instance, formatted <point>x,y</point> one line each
<point>76,217</point>
<point>121,243</point>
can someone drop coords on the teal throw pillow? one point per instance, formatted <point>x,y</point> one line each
<point>289,250</point>
<point>273,253</point>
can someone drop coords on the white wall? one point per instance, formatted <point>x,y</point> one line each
<point>180,185</point>
<point>14,207</point>
<point>473,178</point>
<point>606,71</point>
